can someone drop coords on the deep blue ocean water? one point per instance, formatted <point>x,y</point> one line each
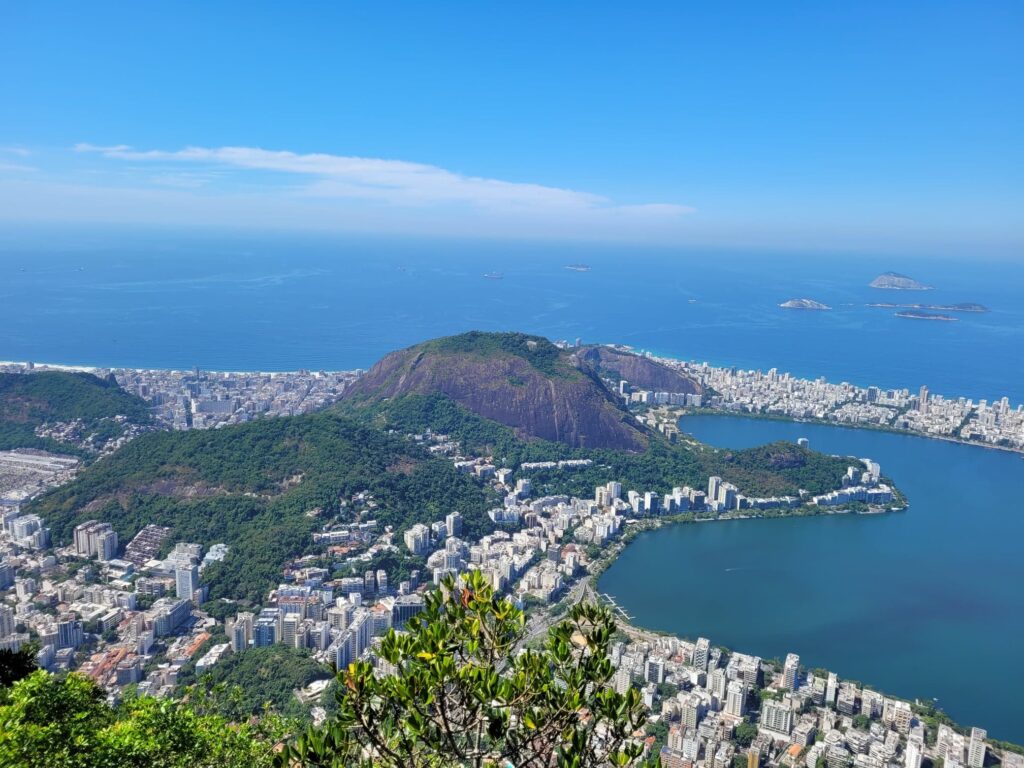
<point>923,603</point>
<point>282,304</point>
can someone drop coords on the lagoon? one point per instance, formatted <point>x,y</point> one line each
<point>923,603</point>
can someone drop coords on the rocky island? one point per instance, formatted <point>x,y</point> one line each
<point>894,281</point>
<point>962,307</point>
<point>803,304</point>
<point>916,314</point>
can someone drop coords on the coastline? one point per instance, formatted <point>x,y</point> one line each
<point>682,411</point>
<point>850,425</point>
<point>95,368</point>
<point>636,633</point>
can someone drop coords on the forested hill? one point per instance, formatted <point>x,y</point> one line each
<point>251,487</point>
<point>777,469</point>
<point>32,400</point>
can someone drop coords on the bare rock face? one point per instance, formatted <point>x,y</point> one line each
<point>524,382</point>
<point>639,371</point>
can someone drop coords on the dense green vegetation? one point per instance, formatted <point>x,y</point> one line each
<point>251,487</point>
<point>264,676</point>
<point>536,350</point>
<point>776,469</point>
<point>29,400</point>
<point>48,721</point>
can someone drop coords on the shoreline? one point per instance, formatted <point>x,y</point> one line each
<point>638,633</point>
<point>702,410</point>
<point>94,368</point>
<point>848,425</point>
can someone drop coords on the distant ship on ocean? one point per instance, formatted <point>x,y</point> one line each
<point>494,275</point>
<point>578,267</point>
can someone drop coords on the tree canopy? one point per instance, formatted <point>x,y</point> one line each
<point>47,721</point>
<point>28,400</point>
<point>461,694</point>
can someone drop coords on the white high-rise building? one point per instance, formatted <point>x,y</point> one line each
<point>96,538</point>
<point>290,630</point>
<point>976,749</point>
<point>186,581</point>
<point>791,671</point>
<point>831,688</point>
<point>6,621</point>
<point>714,484</point>
<point>623,679</point>
<point>913,753</point>
<point>241,632</point>
<point>417,539</point>
<point>453,523</point>
<point>777,716</point>
<point>106,545</point>
<point>691,712</point>
<point>701,651</point>
<point>736,699</point>
<point>717,682</point>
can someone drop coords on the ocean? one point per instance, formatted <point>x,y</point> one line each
<point>223,303</point>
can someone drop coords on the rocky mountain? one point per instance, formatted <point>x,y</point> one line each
<point>521,381</point>
<point>639,371</point>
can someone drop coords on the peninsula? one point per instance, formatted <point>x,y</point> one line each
<point>896,282</point>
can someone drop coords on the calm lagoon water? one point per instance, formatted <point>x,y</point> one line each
<point>923,603</point>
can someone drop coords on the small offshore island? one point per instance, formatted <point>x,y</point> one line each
<point>804,304</point>
<point>917,314</point>
<point>961,307</point>
<point>894,281</point>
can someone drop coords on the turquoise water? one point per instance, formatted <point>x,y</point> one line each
<point>923,603</point>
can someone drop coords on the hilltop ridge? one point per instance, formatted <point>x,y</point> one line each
<point>520,381</point>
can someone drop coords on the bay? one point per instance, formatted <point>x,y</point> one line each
<point>923,603</point>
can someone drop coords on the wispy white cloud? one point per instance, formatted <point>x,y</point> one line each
<point>395,182</point>
<point>15,150</point>
<point>16,168</point>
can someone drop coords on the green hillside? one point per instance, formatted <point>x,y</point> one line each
<point>29,400</point>
<point>251,486</point>
<point>778,469</point>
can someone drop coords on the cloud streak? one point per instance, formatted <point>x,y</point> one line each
<point>395,182</point>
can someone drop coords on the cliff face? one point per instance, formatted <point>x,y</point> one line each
<point>523,382</point>
<point>638,371</point>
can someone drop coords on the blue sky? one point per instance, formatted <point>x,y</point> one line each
<point>887,126</point>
